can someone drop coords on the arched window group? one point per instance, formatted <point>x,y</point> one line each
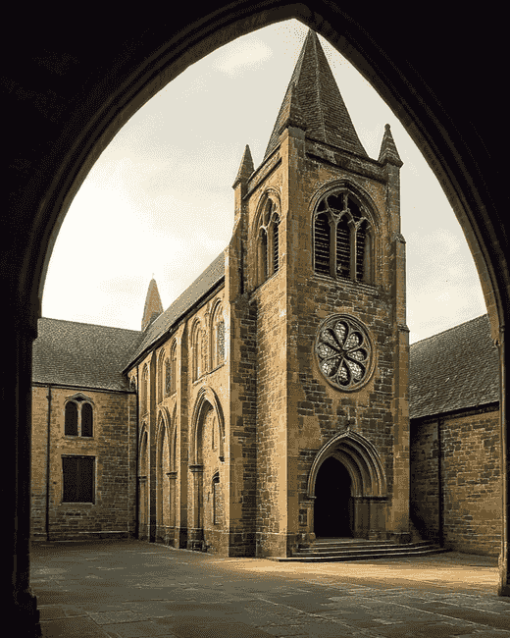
<point>343,239</point>
<point>79,418</point>
<point>268,243</point>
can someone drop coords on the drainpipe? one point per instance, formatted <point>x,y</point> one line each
<point>137,482</point>
<point>440,424</point>
<point>48,432</point>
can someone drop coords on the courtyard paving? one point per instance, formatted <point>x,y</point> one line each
<point>131,589</point>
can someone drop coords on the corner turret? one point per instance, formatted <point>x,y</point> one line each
<point>245,168</point>
<point>153,306</point>
<point>389,153</point>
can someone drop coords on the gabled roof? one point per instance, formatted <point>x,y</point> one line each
<point>456,369</point>
<point>82,355</point>
<point>211,276</point>
<point>315,97</point>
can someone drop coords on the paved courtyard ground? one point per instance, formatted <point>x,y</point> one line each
<point>130,589</point>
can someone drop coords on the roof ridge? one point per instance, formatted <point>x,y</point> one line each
<point>438,334</point>
<point>93,325</point>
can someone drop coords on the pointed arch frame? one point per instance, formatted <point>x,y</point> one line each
<point>370,213</point>
<point>206,396</point>
<point>361,460</point>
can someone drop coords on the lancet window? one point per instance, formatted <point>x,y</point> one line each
<point>173,368</point>
<point>168,377</point>
<point>218,337</point>
<point>160,375</point>
<point>197,352</point>
<point>268,243</point>
<point>145,384</point>
<point>343,239</point>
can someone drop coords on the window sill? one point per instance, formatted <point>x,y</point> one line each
<point>75,503</point>
<point>372,288</point>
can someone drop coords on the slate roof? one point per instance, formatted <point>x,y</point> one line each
<point>211,276</point>
<point>82,355</point>
<point>316,97</point>
<point>453,370</point>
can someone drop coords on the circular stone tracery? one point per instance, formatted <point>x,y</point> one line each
<point>344,352</point>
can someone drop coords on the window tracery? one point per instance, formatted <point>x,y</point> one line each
<point>344,352</point>
<point>343,238</point>
<point>268,243</point>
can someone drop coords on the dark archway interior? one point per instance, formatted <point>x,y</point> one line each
<point>333,501</point>
<point>65,100</point>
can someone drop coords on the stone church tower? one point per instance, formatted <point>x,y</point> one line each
<point>268,404</point>
<point>322,260</point>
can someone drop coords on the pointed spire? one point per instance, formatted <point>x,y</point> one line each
<point>313,88</point>
<point>153,306</point>
<point>246,167</point>
<point>389,153</point>
<point>290,112</point>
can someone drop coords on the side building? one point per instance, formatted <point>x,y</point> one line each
<point>455,439</point>
<point>84,432</point>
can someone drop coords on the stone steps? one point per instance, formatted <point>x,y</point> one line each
<point>325,550</point>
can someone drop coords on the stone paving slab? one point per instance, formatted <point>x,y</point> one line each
<point>130,589</point>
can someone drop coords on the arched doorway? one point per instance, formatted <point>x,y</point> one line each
<point>347,486</point>
<point>334,512</point>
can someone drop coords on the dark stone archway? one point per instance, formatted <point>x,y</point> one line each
<point>65,100</point>
<point>333,512</point>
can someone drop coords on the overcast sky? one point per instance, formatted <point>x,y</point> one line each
<point>159,200</point>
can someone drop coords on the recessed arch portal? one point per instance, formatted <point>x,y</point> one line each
<point>206,400</point>
<point>347,485</point>
<point>361,459</point>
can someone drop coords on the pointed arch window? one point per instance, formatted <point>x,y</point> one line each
<point>145,384</point>
<point>173,368</point>
<point>218,337</point>
<point>197,353</point>
<point>161,361</point>
<point>168,377</point>
<point>78,418</point>
<point>268,243</point>
<point>216,498</point>
<point>343,238</point>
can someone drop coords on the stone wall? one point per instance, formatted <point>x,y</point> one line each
<point>457,475</point>
<point>112,514</point>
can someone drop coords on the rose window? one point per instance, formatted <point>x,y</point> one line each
<point>344,352</point>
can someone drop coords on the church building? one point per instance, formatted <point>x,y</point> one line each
<point>269,404</point>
